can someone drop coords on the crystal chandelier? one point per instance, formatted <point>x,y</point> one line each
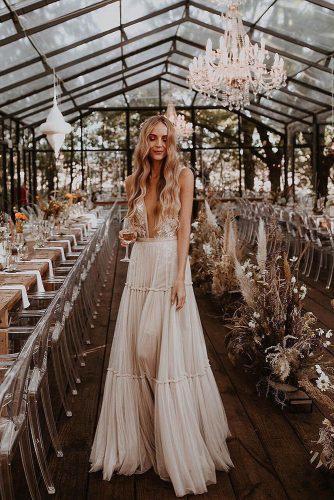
<point>237,67</point>
<point>183,129</point>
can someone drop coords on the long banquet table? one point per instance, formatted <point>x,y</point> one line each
<point>69,245</point>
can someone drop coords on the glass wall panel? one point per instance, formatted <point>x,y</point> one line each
<point>154,22</point>
<point>75,69</point>
<point>85,49</point>
<point>146,95</point>
<point>93,76</point>
<point>57,9</point>
<point>149,40</point>
<point>16,53</point>
<point>304,20</point>
<point>155,52</point>
<point>134,10</point>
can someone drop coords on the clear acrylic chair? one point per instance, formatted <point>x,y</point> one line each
<point>14,424</point>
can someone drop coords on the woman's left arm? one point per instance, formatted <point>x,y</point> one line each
<point>183,235</point>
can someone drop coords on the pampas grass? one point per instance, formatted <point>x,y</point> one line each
<point>270,334</point>
<point>261,255</point>
<point>213,252</point>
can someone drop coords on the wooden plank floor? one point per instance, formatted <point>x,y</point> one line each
<point>270,448</point>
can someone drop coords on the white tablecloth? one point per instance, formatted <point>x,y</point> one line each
<point>49,261</point>
<point>23,290</point>
<point>33,272</point>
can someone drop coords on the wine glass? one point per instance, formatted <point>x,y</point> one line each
<point>128,235</point>
<point>10,263</point>
<point>18,243</point>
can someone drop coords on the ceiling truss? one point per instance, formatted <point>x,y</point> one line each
<point>166,58</point>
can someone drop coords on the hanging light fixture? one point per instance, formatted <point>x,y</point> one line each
<point>237,67</point>
<point>55,126</point>
<point>183,129</point>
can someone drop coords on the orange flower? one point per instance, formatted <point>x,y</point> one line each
<point>71,196</point>
<point>20,216</point>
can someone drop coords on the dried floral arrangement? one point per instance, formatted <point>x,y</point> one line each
<point>214,250</point>
<point>51,208</point>
<point>324,454</point>
<point>206,247</point>
<point>224,278</point>
<point>270,334</point>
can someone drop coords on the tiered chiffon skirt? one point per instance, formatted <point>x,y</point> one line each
<point>161,405</point>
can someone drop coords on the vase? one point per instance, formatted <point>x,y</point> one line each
<point>19,226</point>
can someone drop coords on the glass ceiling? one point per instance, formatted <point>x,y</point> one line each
<point>116,53</point>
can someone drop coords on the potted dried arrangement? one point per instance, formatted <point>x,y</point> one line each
<point>322,392</point>
<point>323,456</point>
<point>270,335</point>
<point>206,246</point>
<point>213,253</point>
<point>225,285</point>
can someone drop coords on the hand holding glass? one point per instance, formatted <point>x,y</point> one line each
<point>127,236</point>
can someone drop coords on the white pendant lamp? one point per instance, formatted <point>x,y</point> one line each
<point>55,126</point>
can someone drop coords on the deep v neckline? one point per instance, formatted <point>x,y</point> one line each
<point>146,219</point>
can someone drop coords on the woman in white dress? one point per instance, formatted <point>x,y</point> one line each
<point>161,405</point>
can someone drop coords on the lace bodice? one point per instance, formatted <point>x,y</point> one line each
<point>167,229</point>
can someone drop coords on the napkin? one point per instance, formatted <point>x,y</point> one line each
<point>63,258</point>
<point>74,239</point>
<point>23,290</point>
<point>40,286</point>
<point>93,220</point>
<point>62,241</point>
<point>80,229</point>
<point>49,261</point>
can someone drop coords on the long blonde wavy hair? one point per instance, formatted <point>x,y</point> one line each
<point>168,191</point>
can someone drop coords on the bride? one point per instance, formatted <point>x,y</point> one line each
<point>161,405</point>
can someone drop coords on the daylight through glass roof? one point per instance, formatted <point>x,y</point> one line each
<point>110,53</point>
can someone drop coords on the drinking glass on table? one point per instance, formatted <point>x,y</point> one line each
<point>10,261</point>
<point>128,235</point>
<point>18,243</point>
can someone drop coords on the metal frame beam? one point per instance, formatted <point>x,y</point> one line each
<point>104,79</point>
<point>105,84</point>
<point>322,3</point>
<point>27,8</point>
<point>85,72</point>
<point>88,70</point>
<point>108,96</point>
<point>101,35</point>
<point>273,50</point>
<point>19,29</point>
<point>55,22</point>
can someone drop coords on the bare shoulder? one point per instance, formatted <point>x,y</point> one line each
<point>129,180</point>
<point>186,177</point>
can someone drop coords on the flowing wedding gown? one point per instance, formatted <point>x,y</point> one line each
<point>161,405</point>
